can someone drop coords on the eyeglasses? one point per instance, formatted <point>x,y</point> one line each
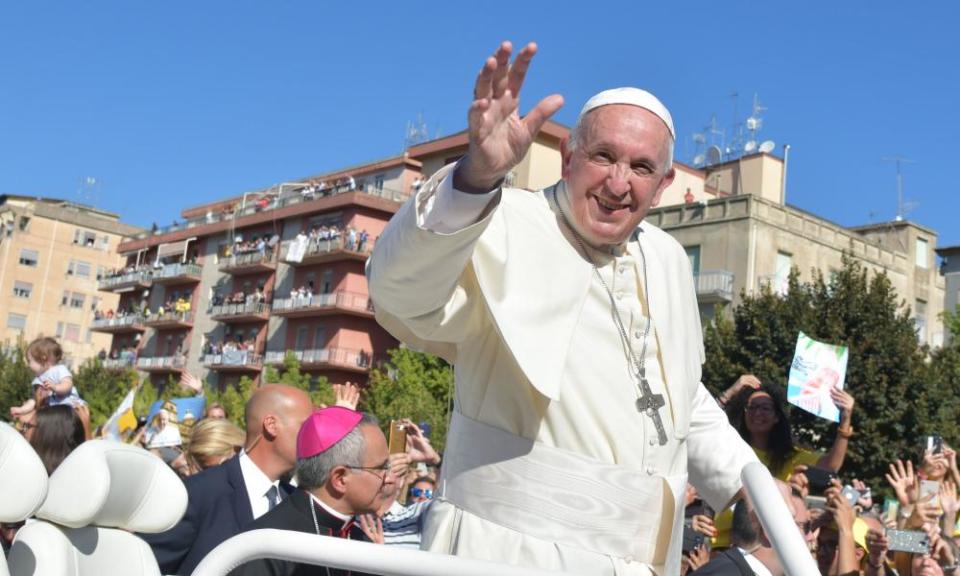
<point>418,492</point>
<point>378,471</point>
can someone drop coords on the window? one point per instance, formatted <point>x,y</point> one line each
<point>79,268</point>
<point>59,329</point>
<point>104,243</point>
<point>24,223</point>
<point>320,337</point>
<point>85,238</point>
<point>101,272</point>
<point>77,299</point>
<point>72,333</point>
<point>781,282</point>
<point>301,338</point>
<point>378,182</point>
<point>16,321</point>
<point>29,257</point>
<point>693,253</point>
<point>921,253</point>
<point>326,284</point>
<point>22,289</point>
<point>920,320</point>
<point>89,336</point>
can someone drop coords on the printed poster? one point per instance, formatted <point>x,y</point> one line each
<point>817,369</point>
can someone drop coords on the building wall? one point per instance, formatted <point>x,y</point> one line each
<point>60,270</point>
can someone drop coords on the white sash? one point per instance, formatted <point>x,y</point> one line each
<point>556,495</point>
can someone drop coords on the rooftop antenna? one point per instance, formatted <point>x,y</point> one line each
<point>900,204</point>
<point>89,190</point>
<point>416,132</point>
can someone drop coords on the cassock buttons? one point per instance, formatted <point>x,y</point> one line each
<point>650,470</point>
<point>619,295</point>
<point>622,269</point>
<point>638,334</point>
<point>628,559</point>
<point>652,441</point>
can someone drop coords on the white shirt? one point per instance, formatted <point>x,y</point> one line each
<point>756,565</point>
<point>257,484</point>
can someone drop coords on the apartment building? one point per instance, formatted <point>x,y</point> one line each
<point>53,253</point>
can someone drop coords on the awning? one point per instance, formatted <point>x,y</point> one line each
<point>173,248</point>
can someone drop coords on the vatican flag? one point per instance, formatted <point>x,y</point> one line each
<point>123,418</point>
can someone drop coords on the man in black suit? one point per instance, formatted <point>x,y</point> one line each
<point>226,498</point>
<point>343,470</point>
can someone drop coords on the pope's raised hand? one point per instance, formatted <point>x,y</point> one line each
<point>499,138</point>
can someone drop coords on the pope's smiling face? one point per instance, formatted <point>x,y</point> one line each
<point>615,171</point>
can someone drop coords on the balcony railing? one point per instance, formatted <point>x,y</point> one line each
<point>174,273</point>
<point>234,359</point>
<point>140,277</point>
<point>128,323</point>
<point>253,261</point>
<point>346,358</point>
<point>120,363</point>
<point>714,285</point>
<point>162,363</point>
<point>172,319</point>
<point>340,299</point>
<point>244,311</point>
<point>319,250</point>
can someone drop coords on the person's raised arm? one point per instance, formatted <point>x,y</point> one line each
<point>833,460</point>
<point>498,137</point>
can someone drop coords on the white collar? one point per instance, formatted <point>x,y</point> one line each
<point>256,481</point>
<point>338,515</point>
<point>758,567</point>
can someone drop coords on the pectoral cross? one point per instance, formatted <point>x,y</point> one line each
<point>651,404</point>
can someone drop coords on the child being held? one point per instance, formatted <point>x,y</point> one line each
<point>53,383</point>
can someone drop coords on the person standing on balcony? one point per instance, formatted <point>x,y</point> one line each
<point>574,329</point>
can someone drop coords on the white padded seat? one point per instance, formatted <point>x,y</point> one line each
<point>23,480</point>
<point>100,494</point>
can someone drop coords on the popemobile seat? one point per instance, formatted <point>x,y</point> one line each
<point>23,480</point>
<point>101,493</point>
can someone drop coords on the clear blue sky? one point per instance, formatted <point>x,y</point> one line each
<point>172,104</point>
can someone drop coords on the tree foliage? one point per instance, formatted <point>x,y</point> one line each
<point>412,385</point>
<point>902,392</point>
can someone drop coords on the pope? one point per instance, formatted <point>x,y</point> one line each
<point>575,337</point>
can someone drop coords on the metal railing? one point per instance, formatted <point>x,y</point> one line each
<point>317,246</point>
<point>334,356</point>
<point>338,298</point>
<point>117,321</point>
<point>178,269</point>
<point>118,363</point>
<point>240,309</point>
<point>171,317</point>
<point>348,555</point>
<point>233,358</point>
<point>714,283</point>
<point>246,259</point>
<point>173,362</point>
<point>142,276</point>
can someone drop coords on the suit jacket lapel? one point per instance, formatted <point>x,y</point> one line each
<point>241,500</point>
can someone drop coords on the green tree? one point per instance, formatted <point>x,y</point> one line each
<point>102,388</point>
<point>412,385</point>
<point>897,399</point>
<point>15,378</point>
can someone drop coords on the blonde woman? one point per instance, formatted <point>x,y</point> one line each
<point>213,441</point>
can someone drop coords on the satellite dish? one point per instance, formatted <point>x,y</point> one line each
<point>750,146</point>
<point>714,154</point>
<point>699,138</point>
<point>767,146</point>
<point>699,159</point>
<point>754,123</point>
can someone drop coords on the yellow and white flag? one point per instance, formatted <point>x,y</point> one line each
<point>123,418</point>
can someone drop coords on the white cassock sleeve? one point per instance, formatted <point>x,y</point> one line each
<point>416,271</point>
<point>716,454</point>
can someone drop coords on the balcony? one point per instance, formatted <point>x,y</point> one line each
<point>248,263</point>
<point>121,363</point>
<point>119,324</point>
<point>126,281</point>
<point>714,286</point>
<point>162,364</point>
<point>234,361</point>
<point>322,251</point>
<point>338,302</point>
<point>347,359</point>
<point>170,320</point>
<point>246,312</point>
<point>173,274</point>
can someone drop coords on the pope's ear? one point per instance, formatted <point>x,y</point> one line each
<point>566,152</point>
<point>339,477</point>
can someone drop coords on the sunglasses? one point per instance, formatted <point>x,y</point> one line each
<point>418,492</point>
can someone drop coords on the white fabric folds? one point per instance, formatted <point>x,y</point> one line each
<point>556,495</point>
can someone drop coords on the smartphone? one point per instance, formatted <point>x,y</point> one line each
<point>935,444</point>
<point>816,502</point>
<point>928,487</point>
<point>912,541</point>
<point>851,494</point>
<point>819,479</point>
<point>890,509</point>
<point>693,540</point>
<point>398,438</point>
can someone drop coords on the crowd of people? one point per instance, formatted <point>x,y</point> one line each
<point>323,188</point>
<point>120,314</point>
<point>848,529</point>
<point>345,237</point>
<point>255,245</point>
<point>239,297</point>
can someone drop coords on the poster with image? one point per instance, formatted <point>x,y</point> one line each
<point>817,369</point>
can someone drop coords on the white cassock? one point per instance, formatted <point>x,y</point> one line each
<point>548,462</point>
